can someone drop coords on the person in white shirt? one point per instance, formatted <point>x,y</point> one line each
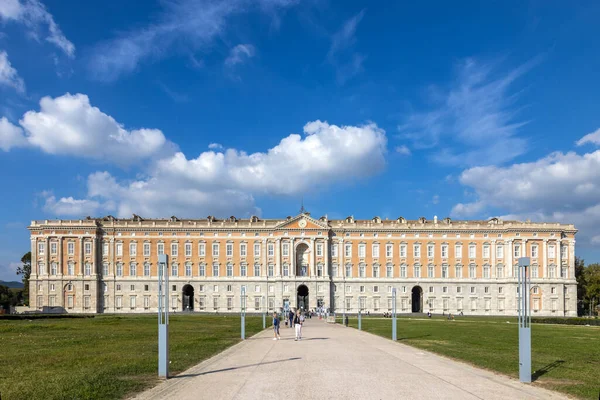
<point>301,323</point>
<point>297,325</point>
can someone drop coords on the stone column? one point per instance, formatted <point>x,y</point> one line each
<point>326,244</point>
<point>265,267</point>
<point>34,262</point>
<point>80,256</point>
<point>292,259</point>
<point>545,258</point>
<point>558,257</point>
<point>47,257</point>
<point>508,265</point>
<point>94,258</point>
<point>571,269</point>
<point>341,255</point>
<point>112,258</point>
<point>278,257</point>
<point>313,258</point>
<point>524,248</point>
<point>60,257</point>
<point>493,266</point>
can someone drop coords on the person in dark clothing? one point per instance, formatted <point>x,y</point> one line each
<point>291,318</point>
<point>276,335</point>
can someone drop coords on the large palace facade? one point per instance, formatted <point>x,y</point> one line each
<point>109,265</point>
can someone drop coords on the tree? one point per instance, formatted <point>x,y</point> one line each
<point>25,270</point>
<point>581,284</point>
<point>592,284</point>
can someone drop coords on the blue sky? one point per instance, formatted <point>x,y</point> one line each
<point>198,107</point>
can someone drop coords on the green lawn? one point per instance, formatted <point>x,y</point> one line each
<point>566,357</point>
<point>106,357</point>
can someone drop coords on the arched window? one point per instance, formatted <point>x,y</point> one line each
<point>389,270</point>
<point>458,270</point>
<point>146,269</point>
<point>229,269</point>
<point>243,269</point>
<point>375,270</point>
<point>53,268</point>
<point>174,269</point>
<point>362,270</point>
<point>417,270</point>
<point>132,269</point>
<point>472,271</point>
<point>486,271</point>
<point>431,271</point>
<point>500,271</point>
<point>119,269</point>
<point>535,273</point>
<point>202,269</point>
<point>188,269</point>
<point>349,270</point>
<point>403,273</point>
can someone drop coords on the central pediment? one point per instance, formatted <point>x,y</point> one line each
<point>302,221</point>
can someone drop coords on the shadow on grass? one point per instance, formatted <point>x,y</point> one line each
<point>414,337</point>
<point>234,368</point>
<point>544,370</point>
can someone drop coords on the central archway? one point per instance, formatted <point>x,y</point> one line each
<point>302,252</point>
<point>302,297</point>
<point>417,299</point>
<point>188,298</point>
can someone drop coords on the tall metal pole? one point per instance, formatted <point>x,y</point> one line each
<point>394,337</point>
<point>524,322</point>
<point>359,320</point>
<point>243,308</point>
<point>163,316</point>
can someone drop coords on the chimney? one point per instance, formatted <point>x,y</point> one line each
<point>435,219</point>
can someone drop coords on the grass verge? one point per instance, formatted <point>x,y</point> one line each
<point>106,357</point>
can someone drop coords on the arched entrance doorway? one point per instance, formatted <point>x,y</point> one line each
<point>302,260</point>
<point>302,297</point>
<point>417,299</point>
<point>188,298</point>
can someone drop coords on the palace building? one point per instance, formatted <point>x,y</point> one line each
<point>109,265</point>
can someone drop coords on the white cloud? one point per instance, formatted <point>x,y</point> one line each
<point>557,188</point>
<point>8,75</point>
<point>71,206</point>
<point>222,183</point>
<point>186,24</point>
<point>239,54</point>
<point>476,118</point>
<point>593,138</point>
<point>404,150</point>
<point>346,62</point>
<point>34,16</point>
<point>10,135</point>
<point>70,125</point>
<point>465,210</point>
<point>435,199</point>
<point>215,146</point>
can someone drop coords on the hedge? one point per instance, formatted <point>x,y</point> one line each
<point>566,321</point>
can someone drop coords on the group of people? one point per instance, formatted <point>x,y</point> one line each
<point>293,319</point>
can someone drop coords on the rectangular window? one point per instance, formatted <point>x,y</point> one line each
<point>86,302</point>
<point>174,270</point>
<point>105,249</point>
<point>202,249</point>
<point>444,251</point>
<point>376,271</point>
<point>417,271</point>
<point>188,269</point>
<point>271,269</point>
<point>362,289</point>
<point>444,271</point>
<point>270,249</point>
<point>53,247</point>
<point>160,249</point>
<point>417,250</point>
<point>348,250</point>
<point>334,270</point>
<point>202,269</point>
<point>430,271</point>
<point>564,253</point>
<point>564,273</point>
<point>551,251</point>
<point>229,249</point>
<point>472,271</point>
<point>146,302</point>
<point>500,271</point>
<point>119,269</point>
<point>349,270</point>
<point>458,251</point>
<point>146,249</point>
<point>188,249</point>
<point>146,269</point>
<point>472,251</point>
<point>376,250</point>
<point>403,271</point>
<point>486,271</point>
<point>202,303</point>
<point>215,249</point>
<point>119,249</point>
<point>174,249</point>
<point>88,248</point>
<point>256,249</point>
<point>430,250</point>
<point>215,269</point>
<point>320,249</point>
<point>41,248</point>
<point>243,251</point>
<point>458,271</point>
<point>88,269</point>
<point>334,250</point>
<point>286,270</point>
<point>70,248</point>
<point>486,251</point>
<point>389,271</point>
<point>105,269</point>
<point>362,271</point>
<point>229,269</point>
<point>362,249</point>
<point>499,251</point>
<point>389,250</point>
<point>403,251</point>
<point>534,251</point>
<point>256,269</point>
<point>243,269</point>
<point>517,251</point>
<point>132,249</point>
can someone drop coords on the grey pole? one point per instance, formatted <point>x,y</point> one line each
<point>394,336</point>
<point>524,322</point>
<point>359,320</point>
<point>264,312</point>
<point>163,317</point>
<point>344,305</point>
<point>243,308</point>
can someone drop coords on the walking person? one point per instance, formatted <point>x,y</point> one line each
<point>302,318</point>
<point>291,317</point>
<point>297,325</point>
<point>276,335</point>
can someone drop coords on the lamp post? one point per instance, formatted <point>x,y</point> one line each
<point>163,317</point>
<point>264,307</point>
<point>243,313</point>
<point>394,337</point>
<point>524,322</point>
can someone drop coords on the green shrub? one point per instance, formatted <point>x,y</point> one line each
<point>565,321</point>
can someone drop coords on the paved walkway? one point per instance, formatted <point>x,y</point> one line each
<point>335,362</point>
